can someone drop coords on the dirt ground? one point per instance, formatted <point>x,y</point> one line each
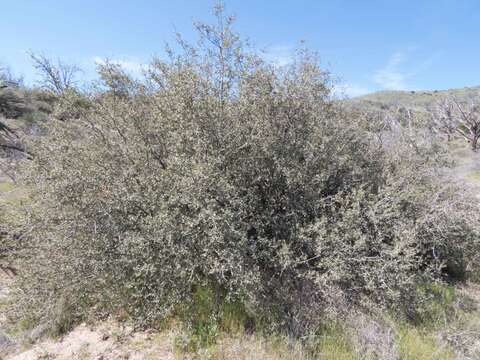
<point>109,341</point>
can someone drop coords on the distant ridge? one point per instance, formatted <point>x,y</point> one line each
<point>417,99</point>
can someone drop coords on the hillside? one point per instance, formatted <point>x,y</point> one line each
<point>417,99</point>
<point>468,162</point>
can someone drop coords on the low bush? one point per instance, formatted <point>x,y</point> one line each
<point>221,171</point>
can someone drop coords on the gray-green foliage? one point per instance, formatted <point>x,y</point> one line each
<point>220,170</point>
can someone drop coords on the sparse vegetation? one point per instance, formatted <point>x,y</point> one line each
<point>454,118</point>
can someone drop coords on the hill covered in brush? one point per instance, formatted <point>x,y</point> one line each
<point>415,100</point>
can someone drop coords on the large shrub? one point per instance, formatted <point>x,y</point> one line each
<point>222,171</point>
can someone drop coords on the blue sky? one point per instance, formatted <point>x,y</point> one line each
<point>369,44</point>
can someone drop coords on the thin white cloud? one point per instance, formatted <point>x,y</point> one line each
<point>391,77</point>
<point>350,90</point>
<point>279,55</point>
<point>132,66</point>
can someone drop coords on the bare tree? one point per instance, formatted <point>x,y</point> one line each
<point>442,116</point>
<point>452,117</point>
<point>58,76</point>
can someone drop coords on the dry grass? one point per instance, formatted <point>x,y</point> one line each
<point>11,194</point>
<point>359,337</point>
<point>256,347</point>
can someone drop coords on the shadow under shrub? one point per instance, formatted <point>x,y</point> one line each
<point>219,168</point>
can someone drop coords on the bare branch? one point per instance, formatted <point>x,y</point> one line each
<point>56,77</point>
<point>450,117</point>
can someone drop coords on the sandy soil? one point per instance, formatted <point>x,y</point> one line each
<point>106,342</point>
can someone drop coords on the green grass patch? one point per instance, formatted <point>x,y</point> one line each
<point>334,345</point>
<point>436,303</point>
<point>209,315</point>
<point>414,344</point>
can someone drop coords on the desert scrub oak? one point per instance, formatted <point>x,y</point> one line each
<point>219,170</point>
